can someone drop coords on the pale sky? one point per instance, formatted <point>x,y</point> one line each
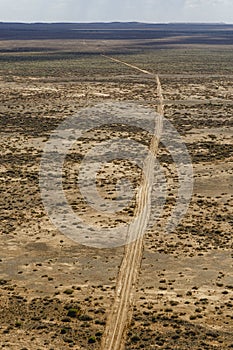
<point>117,10</point>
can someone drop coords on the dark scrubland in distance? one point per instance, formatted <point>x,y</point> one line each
<point>220,34</point>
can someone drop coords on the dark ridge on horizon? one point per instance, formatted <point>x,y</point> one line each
<point>117,23</point>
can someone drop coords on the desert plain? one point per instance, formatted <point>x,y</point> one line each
<point>56,293</point>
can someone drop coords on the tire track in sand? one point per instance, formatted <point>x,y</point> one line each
<point>120,315</point>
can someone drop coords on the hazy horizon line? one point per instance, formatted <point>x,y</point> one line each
<point>111,22</point>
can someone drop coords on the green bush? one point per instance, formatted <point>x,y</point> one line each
<point>68,291</point>
<point>91,340</point>
<point>72,312</point>
<point>135,338</point>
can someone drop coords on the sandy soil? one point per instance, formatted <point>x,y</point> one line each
<point>56,293</point>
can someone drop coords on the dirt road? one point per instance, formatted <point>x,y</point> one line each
<point>120,315</point>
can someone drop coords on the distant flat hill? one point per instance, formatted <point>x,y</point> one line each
<point>187,33</point>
